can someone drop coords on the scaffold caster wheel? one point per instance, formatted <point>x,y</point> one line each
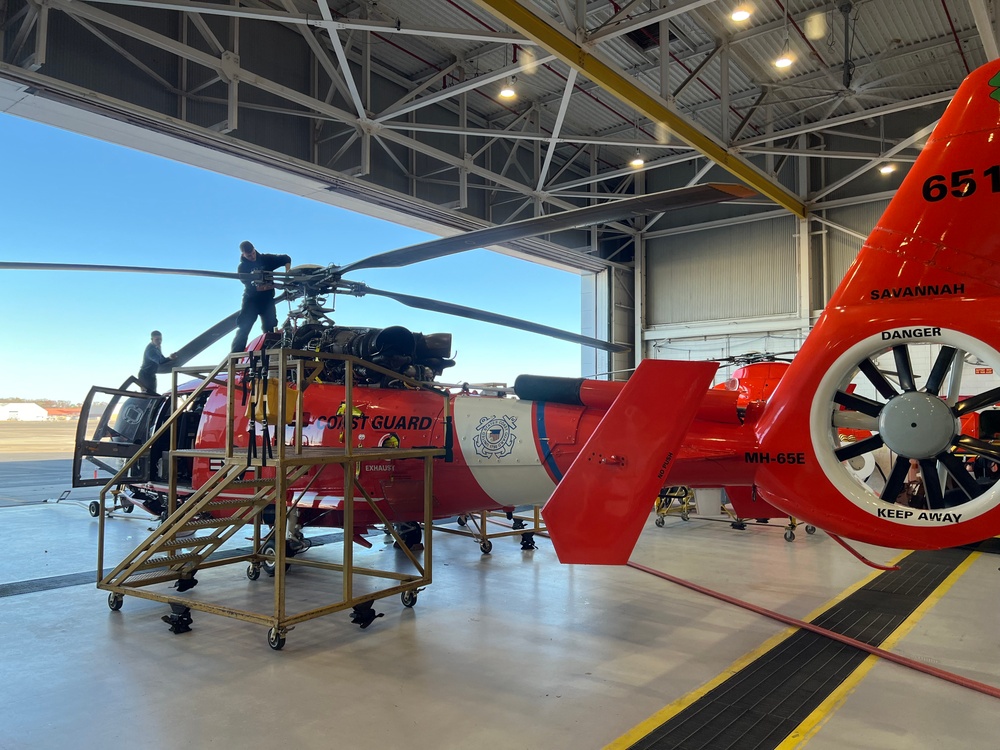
<point>409,598</point>
<point>462,521</point>
<point>789,535</point>
<point>486,546</point>
<point>275,639</point>
<point>94,509</point>
<point>115,601</point>
<point>127,506</point>
<point>810,529</point>
<point>253,572</point>
<point>685,516</point>
<point>660,522</point>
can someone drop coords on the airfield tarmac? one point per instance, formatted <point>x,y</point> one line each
<point>509,650</point>
<point>36,461</point>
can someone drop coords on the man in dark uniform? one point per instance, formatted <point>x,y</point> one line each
<point>258,297</point>
<point>151,359</point>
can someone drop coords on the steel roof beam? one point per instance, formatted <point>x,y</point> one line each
<point>945,96</point>
<point>817,154</point>
<point>458,88</point>
<point>902,145</point>
<point>230,69</point>
<point>553,140</point>
<point>981,15</point>
<point>267,14</point>
<point>607,31</point>
<point>625,90</point>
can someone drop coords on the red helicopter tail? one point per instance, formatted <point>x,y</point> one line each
<point>598,509</point>
<point>920,301</point>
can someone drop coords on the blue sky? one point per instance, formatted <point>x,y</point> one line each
<point>68,198</point>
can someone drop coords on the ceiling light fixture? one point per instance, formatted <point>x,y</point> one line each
<point>507,91</point>
<point>741,13</point>
<point>637,160</point>
<point>785,58</point>
<point>887,167</point>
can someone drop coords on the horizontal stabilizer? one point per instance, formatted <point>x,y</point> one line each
<point>598,509</point>
<point>746,504</point>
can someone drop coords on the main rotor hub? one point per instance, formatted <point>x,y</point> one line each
<point>917,425</point>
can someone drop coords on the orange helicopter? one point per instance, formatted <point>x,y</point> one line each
<point>923,294</point>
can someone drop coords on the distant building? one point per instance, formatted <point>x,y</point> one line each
<point>27,412</point>
<point>64,413</point>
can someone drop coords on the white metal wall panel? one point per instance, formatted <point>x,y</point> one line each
<point>842,248</point>
<point>742,271</point>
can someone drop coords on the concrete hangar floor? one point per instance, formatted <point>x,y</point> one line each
<point>508,650</point>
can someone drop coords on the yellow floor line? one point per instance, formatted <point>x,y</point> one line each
<point>814,721</point>
<point>668,712</point>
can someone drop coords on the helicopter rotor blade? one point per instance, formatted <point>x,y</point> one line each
<point>449,308</point>
<point>668,200</point>
<point>12,266</point>
<point>204,340</point>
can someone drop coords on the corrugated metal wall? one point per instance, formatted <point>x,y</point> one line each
<point>743,271</point>
<point>841,248</point>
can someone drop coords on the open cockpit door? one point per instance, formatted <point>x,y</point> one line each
<point>114,424</point>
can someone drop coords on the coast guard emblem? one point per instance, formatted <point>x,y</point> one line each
<point>496,436</point>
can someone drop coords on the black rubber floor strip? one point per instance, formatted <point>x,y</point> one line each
<point>764,702</point>
<point>79,579</point>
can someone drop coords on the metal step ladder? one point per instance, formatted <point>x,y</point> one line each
<point>179,546</point>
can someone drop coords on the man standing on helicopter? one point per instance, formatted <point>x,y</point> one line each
<point>258,297</point>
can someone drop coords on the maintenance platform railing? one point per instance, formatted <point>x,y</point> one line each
<point>197,525</point>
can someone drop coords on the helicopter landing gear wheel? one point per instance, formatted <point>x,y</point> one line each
<point>268,565</point>
<point>115,601</point>
<point>276,639</point>
<point>410,533</point>
<point>127,506</point>
<point>789,535</point>
<point>660,522</point>
<point>462,520</point>
<point>486,546</point>
<point>94,509</point>
<point>408,598</point>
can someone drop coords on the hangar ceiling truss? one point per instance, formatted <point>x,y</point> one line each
<point>398,101</point>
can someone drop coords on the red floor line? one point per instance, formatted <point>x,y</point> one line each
<point>980,687</point>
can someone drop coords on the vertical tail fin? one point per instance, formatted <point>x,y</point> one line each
<point>597,511</point>
<point>922,295</point>
<point>940,227</point>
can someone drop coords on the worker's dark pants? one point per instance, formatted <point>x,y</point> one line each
<point>261,305</point>
<point>148,382</point>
